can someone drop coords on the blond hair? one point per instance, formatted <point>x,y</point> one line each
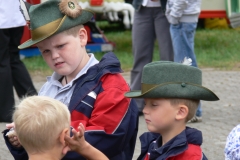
<point>190,103</point>
<point>74,30</point>
<point>39,120</point>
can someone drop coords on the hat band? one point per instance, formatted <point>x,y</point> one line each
<point>148,87</point>
<point>46,30</point>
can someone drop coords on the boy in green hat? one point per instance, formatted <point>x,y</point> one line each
<point>171,92</point>
<point>36,137</point>
<point>93,90</point>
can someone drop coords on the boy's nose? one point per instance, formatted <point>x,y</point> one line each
<point>144,109</point>
<point>55,54</point>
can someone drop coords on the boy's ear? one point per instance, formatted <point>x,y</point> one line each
<point>62,141</point>
<point>182,112</point>
<point>82,33</point>
<point>62,135</point>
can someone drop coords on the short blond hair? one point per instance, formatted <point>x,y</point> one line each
<point>74,30</point>
<point>190,103</point>
<point>39,120</point>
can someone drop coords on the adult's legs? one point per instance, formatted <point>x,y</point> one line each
<point>6,87</point>
<point>21,79</point>
<point>182,36</point>
<point>143,37</point>
<point>162,32</point>
<point>199,110</point>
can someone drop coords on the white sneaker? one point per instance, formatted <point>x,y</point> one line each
<point>195,119</point>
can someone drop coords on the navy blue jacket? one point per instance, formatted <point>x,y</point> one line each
<point>111,120</point>
<point>151,144</point>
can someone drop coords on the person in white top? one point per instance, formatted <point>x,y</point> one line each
<point>12,70</point>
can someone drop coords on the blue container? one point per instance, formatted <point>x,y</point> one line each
<point>30,52</point>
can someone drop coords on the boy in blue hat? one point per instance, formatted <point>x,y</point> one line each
<point>171,92</point>
<point>93,90</point>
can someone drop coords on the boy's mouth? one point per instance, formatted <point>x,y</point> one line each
<point>147,120</point>
<point>58,64</point>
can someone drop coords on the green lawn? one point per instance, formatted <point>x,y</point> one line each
<point>214,49</point>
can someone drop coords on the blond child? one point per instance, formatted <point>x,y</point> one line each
<point>93,90</point>
<point>171,92</point>
<point>42,125</point>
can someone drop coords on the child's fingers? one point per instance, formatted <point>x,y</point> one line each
<point>67,137</point>
<point>81,129</point>
<point>10,125</point>
<point>75,134</point>
<point>70,143</point>
<point>14,141</point>
<point>69,140</point>
<point>74,131</point>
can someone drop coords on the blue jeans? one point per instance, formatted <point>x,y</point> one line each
<point>182,35</point>
<point>199,110</point>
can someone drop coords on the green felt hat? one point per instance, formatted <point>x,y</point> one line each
<point>172,80</point>
<point>52,17</point>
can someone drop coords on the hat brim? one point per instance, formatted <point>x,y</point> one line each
<point>188,91</point>
<point>31,42</point>
<point>67,23</point>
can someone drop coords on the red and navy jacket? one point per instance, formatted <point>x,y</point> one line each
<point>185,146</point>
<point>110,119</point>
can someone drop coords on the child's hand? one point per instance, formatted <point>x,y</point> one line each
<point>78,144</point>
<point>12,137</point>
<point>10,125</point>
<point>77,141</point>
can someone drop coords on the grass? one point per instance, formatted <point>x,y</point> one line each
<point>37,66</point>
<point>214,49</point>
<point>218,48</point>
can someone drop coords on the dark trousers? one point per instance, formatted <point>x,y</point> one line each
<point>150,23</point>
<point>13,72</point>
